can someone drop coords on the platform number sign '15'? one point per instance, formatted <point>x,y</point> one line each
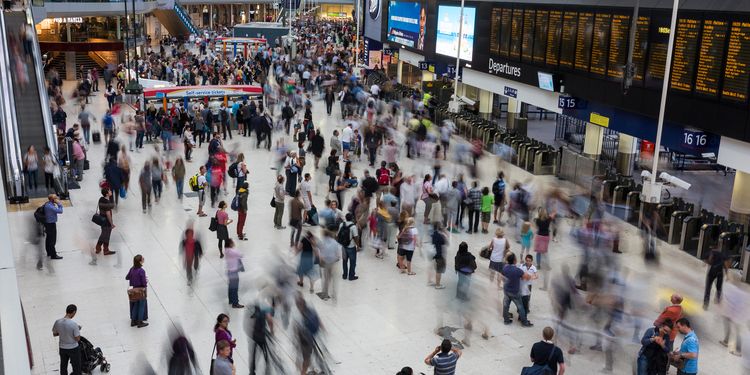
<point>567,102</point>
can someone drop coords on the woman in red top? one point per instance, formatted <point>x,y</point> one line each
<point>222,231</point>
<point>191,251</point>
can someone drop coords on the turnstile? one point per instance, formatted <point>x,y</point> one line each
<point>633,206</point>
<point>691,228</point>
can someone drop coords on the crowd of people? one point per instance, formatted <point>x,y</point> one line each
<point>386,207</point>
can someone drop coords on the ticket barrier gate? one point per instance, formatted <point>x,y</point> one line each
<point>607,189</point>
<point>709,236</point>
<point>545,161</point>
<point>620,196</point>
<point>676,224</point>
<point>516,143</point>
<point>664,212</point>
<point>633,205</point>
<point>731,243</point>
<point>527,153</point>
<point>691,228</point>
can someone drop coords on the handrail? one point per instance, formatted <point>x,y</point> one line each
<point>11,143</point>
<point>94,55</point>
<point>49,131</point>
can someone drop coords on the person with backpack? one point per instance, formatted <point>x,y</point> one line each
<point>547,357</point>
<point>348,236</point>
<point>242,194</point>
<point>199,183</point>
<point>47,215</point>
<point>498,190</point>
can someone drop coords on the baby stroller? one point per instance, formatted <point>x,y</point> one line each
<point>92,357</point>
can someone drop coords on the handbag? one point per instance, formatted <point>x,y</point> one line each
<point>136,294</point>
<point>214,224</point>
<point>99,219</point>
<point>273,201</point>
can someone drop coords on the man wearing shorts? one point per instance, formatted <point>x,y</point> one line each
<point>346,140</point>
<point>202,185</point>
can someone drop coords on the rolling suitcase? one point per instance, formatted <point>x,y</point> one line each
<point>96,137</point>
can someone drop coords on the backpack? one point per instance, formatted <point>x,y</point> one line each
<point>235,203</point>
<point>232,171</point>
<point>498,188</point>
<point>39,215</point>
<point>384,177</point>
<point>193,182</point>
<point>344,236</point>
<point>540,369</point>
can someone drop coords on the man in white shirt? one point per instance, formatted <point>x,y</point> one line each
<point>408,193</point>
<point>305,190</point>
<point>330,254</point>
<point>528,267</point>
<point>202,186</point>
<point>346,140</point>
<point>375,90</point>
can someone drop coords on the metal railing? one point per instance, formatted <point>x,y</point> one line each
<point>11,144</point>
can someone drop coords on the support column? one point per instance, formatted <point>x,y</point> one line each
<point>211,16</point>
<point>592,143</point>
<point>70,66</point>
<point>399,71</point>
<point>117,22</point>
<point>516,123</point>
<point>626,152</point>
<point>231,9</point>
<point>485,103</point>
<point>739,209</point>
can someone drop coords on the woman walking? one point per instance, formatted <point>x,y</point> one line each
<point>178,175</point>
<point>106,205</point>
<point>157,178</point>
<point>308,258</point>
<point>222,231</point>
<point>427,197</point>
<point>30,167</point>
<point>137,293</point>
<point>222,333</point>
<point>192,251</point>
<point>407,242</point>
<point>499,247</point>
<point>242,193</point>
<point>465,265</point>
<point>234,267</point>
<point>144,180</point>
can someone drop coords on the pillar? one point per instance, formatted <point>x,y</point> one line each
<point>739,209</point>
<point>211,16</point>
<point>231,9</point>
<point>592,143</point>
<point>627,148</point>
<point>516,123</point>
<point>70,66</point>
<point>485,103</point>
<point>117,22</point>
<point>399,71</point>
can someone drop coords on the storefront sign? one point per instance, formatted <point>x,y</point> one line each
<point>510,92</point>
<point>68,19</point>
<point>337,15</point>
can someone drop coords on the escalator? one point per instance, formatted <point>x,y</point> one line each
<point>175,19</point>
<point>29,123</point>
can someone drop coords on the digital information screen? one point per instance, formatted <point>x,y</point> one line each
<point>505,32</point>
<point>448,25</point>
<point>528,35</point>
<point>540,35</point>
<point>737,66</point>
<point>640,48</point>
<point>406,23</point>
<point>495,30</point>
<point>618,46</point>
<point>583,40</point>
<point>600,45</point>
<point>685,50</point>
<point>516,31</point>
<point>711,53</point>
<point>568,47</point>
<point>554,31</point>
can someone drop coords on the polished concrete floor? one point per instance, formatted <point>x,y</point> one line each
<point>376,325</point>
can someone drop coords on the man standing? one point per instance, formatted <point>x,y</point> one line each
<point>223,365</point>
<point>688,349</point>
<point>546,353</point>
<point>278,198</point>
<point>52,208</point>
<point>306,193</point>
<point>512,290</point>
<point>69,333</point>
<point>330,254</point>
<point>673,313</point>
<point>498,189</point>
<point>717,269</point>
<point>346,140</point>
<point>444,358</point>
<point>655,346</point>
<point>350,247</point>
<point>202,186</point>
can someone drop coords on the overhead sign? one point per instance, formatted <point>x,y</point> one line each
<point>570,102</point>
<point>407,22</point>
<point>598,119</point>
<point>510,92</point>
<point>427,65</point>
<point>202,91</point>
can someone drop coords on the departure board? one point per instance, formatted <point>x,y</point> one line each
<point>618,46</point>
<point>554,31</point>
<point>583,40</point>
<point>685,51</point>
<point>737,68</point>
<point>640,48</point>
<point>495,30</point>
<point>528,35</point>
<point>540,35</point>
<point>505,31</point>
<point>568,45</point>
<point>711,53</point>
<point>516,31</point>
<point>600,44</point>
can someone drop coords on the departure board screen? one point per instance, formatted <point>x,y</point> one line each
<point>540,35</point>
<point>640,47</point>
<point>505,31</point>
<point>685,51</point>
<point>600,44</point>
<point>528,35</point>
<point>709,59</point>
<point>554,33</point>
<point>583,40</point>
<point>618,46</point>
<point>568,45</point>
<point>495,30</point>
<point>737,68</point>
<point>516,31</point>
<point>658,39</point>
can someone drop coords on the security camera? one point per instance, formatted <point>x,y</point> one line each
<point>666,177</point>
<point>464,100</point>
<point>645,174</point>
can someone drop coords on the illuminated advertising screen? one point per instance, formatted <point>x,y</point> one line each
<point>406,23</point>
<point>446,40</point>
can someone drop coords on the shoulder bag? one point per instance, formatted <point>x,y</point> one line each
<point>214,224</point>
<point>540,369</point>
<point>98,218</point>
<point>136,294</point>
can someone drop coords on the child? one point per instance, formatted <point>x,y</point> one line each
<point>488,201</point>
<point>528,267</point>
<point>526,236</point>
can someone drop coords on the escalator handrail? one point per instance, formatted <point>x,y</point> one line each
<point>11,143</point>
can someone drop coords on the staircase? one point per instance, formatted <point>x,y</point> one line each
<point>176,20</point>
<point>82,58</point>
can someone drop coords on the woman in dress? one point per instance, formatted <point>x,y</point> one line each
<point>138,306</point>
<point>222,230</point>
<point>308,258</point>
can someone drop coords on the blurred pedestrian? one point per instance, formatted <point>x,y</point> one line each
<point>234,267</point>
<point>192,251</point>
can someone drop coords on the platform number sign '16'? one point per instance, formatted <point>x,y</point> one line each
<point>694,139</point>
